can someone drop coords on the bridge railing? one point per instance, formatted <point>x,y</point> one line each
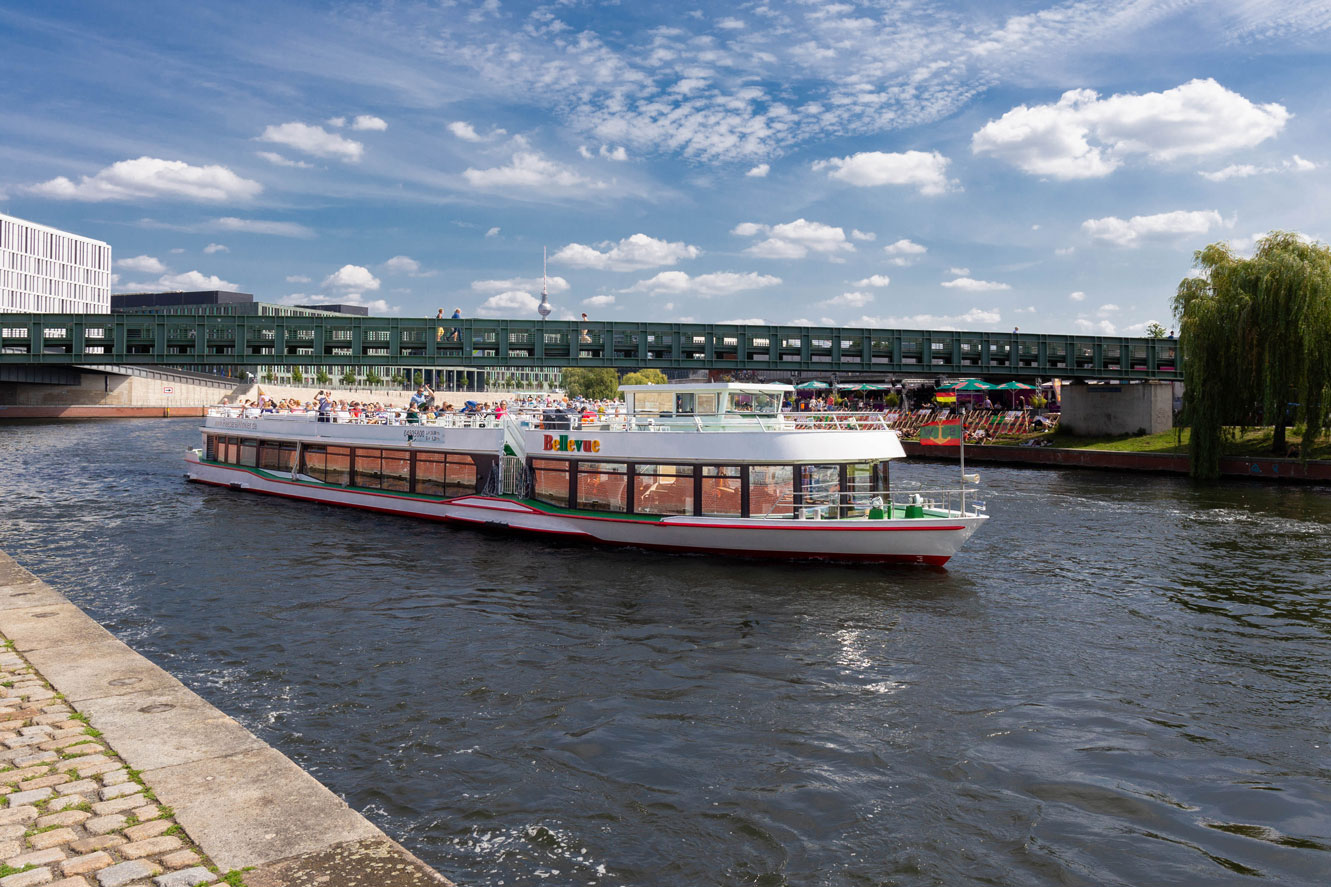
<point>255,340</point>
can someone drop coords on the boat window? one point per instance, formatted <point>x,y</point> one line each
<point>684,404</point>
<point>705,405</point>
<point>228,450</point>
<point>396,470</point>
<point>820,490</point>
<point>550,481</point>
<point>210,447</point>
<point>331,465</point>
<point>771,491</point>
<point>663,489</point>
<point>650,402</point>
<point>368,469</point>
<point>722,493</point>
<point>276,455</point>
<point>249,453</point>
<point>603,486</point>
<point>859,487</point>
<point>445,474</point>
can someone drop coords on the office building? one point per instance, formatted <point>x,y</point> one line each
<point>46,270</point>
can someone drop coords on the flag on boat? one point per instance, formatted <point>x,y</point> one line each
<point>941,434</point>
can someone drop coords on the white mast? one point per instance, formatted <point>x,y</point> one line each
<point>544,309</point>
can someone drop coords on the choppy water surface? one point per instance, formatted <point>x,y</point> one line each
<point>1121,680</point>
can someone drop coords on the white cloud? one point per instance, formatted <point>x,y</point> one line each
<point>260,226</point>
<point>1131,232</point>
<point>142,265</point>
<point>278,160</point>
<point>336,123</point>
<point>465,131</point>
<point>375,306</point>
<point>730,24</point>
<point>528,169</point>
<point>554,284</point>
<point>874,280</point>
<point>351,277</point>
<point>971,285</point>
<point>314,140</point>
<point>1077,296</point>
<point>215,248</point>
<point>745,321</point>
<point>297,278</point>
<point>1107,309</point>
<point>1244,170</point>
<point>369,122</point>
<point>719,283</point>
<point>760,171</point>
<point>406,265</point>
<point>959,272</point>
<point>925,171</point>
<point>150,177</point>
<point>851,300</point>
<point>1084,136</point>
<point>633,253</point>
<point>1102,327</point>
<point>194,280</point>
<point>509,304</point>
<point>969,320</point>
<point>602,301</point>
<point>795,240</point>
<point>493,232</point>
<point>617,153</point>
<point>905,247</point>
<point>857,234</point>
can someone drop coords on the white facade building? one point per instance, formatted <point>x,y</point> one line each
<point>47,270</point>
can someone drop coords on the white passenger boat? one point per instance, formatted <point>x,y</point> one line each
<point>697,467</point>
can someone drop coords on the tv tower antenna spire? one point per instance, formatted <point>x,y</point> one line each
<point>544,309</point>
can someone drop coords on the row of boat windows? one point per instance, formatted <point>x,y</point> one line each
<point>712,490</point>
<point>374,468</point>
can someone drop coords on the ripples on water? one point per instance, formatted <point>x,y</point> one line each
<point>1121,680</point>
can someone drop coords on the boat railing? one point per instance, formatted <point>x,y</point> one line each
<point>823,502</point>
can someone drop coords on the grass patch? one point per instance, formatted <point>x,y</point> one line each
<point>236,878</point>
<point>6,869</point>
<point>1245,442</point>
<point>93,732</point>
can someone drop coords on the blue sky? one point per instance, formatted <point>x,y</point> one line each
<point>963,165</point>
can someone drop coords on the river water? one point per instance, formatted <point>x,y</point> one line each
<point>1120,680</point>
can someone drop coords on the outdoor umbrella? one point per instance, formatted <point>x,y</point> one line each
<point>1015,386</point>
<point>969,385</point>
<point>862,387</point>
<point>811,385</point>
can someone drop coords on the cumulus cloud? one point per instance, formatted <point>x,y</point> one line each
<point>142,265</point>
<point>719,283</point>
<point>633,253</point>
<point>314,140</point>
<point>150,178</point>
<point>925,171</point>
<point>369,122</point>
<point>278,160</point>
<point>375,306</point>
<point>795,240</point>
<point>554,284</point>
<point>1077,296</point>
<point>298,278</point>
<point>529,169</point>
<point>352,278</point>
<point>493,232</point>
<point>857,234</point>
<point>1100,327</point>
<point>874,280</point>
<point>406,265</point>
<point>760,171</point>
<point>509,304</point>
<point>215,248</point>
<point>971,285</point>
<point>336,123</point>
<point>904,252</point>
<point>465,131</point>
<point>1244,170</point>
<point>260,226</point>
<point>1131,232</point>
<point>602,301</point>
<point>1084,136</point>
<point>194,280</point>
<point>973,319</point>
<point>852,300</point>
<point>959,272</point>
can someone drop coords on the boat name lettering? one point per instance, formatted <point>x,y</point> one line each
<point>249,424</point>
<point>426,434</point>
<point>565,444</point>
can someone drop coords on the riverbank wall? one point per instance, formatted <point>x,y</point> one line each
<point>1109,460</point>
<point>125,776</point>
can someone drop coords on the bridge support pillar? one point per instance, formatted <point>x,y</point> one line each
<point>1106,410</point>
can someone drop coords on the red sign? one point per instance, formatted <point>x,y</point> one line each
<point>941,434</point>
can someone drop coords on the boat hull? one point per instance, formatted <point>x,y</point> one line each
<point>915,541</point>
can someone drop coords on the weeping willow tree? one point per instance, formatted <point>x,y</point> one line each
<point>1256,334</point>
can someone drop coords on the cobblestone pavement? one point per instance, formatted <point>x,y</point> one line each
<point>74,815</point>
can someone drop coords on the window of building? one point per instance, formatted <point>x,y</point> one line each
<point>663,489</point>
<point>722,491</point>
<point>603,486</point>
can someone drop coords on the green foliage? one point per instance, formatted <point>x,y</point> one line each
<point>892,400</point>
<point>6,869</point>
<point>1256,336</point>
<point>348,378</point>
<point>322,377</point>
<point>270,377</point>
<point>1155,330</point>
<point>373,379</point>
<point>649,376</point>
<point>297,377</point>
<point>596,384</point>
<point>398,379</point>
<point>418,378</point>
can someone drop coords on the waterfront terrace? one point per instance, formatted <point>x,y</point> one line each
<point>210,341</point>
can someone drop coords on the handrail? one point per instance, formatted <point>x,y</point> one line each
<point>952,502</point>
